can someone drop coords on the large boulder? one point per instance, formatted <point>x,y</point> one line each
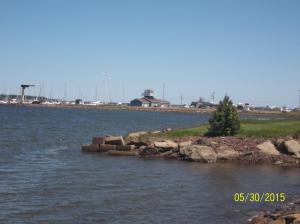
<point>167,144</point>
<point>114,140</point>
<point>268,148</point>
<point>200,153</point>
<point>185,151</point>
<point>184,144</point>
<point>183,147</point>
<point>203,154</point>
<point>224,152</point>
<point>293,147</point>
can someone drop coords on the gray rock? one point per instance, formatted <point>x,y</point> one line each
<point>200,153</point>
<point>184,144</point>
<point>166,144</point>
<point>268,148</point>
<point>226,153</point>
<point>185,151</point>
<point>293,147</point>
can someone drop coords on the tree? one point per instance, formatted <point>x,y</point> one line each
<point>225,120</point>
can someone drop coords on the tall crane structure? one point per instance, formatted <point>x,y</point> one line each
<point>23,87</point>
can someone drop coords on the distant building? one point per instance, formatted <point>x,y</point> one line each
<point>285,109</point>
<point>149,100</point>
<point>244,106</point>
<point>201,103</point>
<point>78,101</point>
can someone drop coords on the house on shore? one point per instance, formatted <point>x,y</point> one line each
<point>201,103</point>
<point>149,100</point>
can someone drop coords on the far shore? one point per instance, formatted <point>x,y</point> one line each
<point>263,113</point>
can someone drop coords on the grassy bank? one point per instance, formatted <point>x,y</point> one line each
<point>269,128</point>
<point>249,128</point>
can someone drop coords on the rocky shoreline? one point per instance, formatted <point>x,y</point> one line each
<point>288,214</point>
<point>278,151</point>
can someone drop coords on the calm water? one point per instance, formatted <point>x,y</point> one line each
<point>45,178</point>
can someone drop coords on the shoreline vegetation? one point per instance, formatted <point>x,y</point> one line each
<point>249,128</point>
<point>258,142</point>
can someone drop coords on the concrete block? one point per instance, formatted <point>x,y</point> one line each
<point>114,140</point>
<point>90,148</point>
<point>125,147</point>
<point>105,148</point>
<point>98,140</point>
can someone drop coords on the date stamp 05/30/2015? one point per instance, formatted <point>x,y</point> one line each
<point>259,197</point>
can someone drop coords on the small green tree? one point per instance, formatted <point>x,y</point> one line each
<point>225,120</point>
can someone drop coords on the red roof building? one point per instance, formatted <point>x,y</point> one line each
<point>149,100</point>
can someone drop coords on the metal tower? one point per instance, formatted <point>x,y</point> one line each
<point>23,87</point>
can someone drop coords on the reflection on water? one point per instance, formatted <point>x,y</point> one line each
<point>45,178</point>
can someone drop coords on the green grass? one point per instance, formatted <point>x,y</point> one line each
<point>269,128</point>
<point>195,131</point>
<point>249,128</point>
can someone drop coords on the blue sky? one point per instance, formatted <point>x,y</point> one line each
<point>247,49</point>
